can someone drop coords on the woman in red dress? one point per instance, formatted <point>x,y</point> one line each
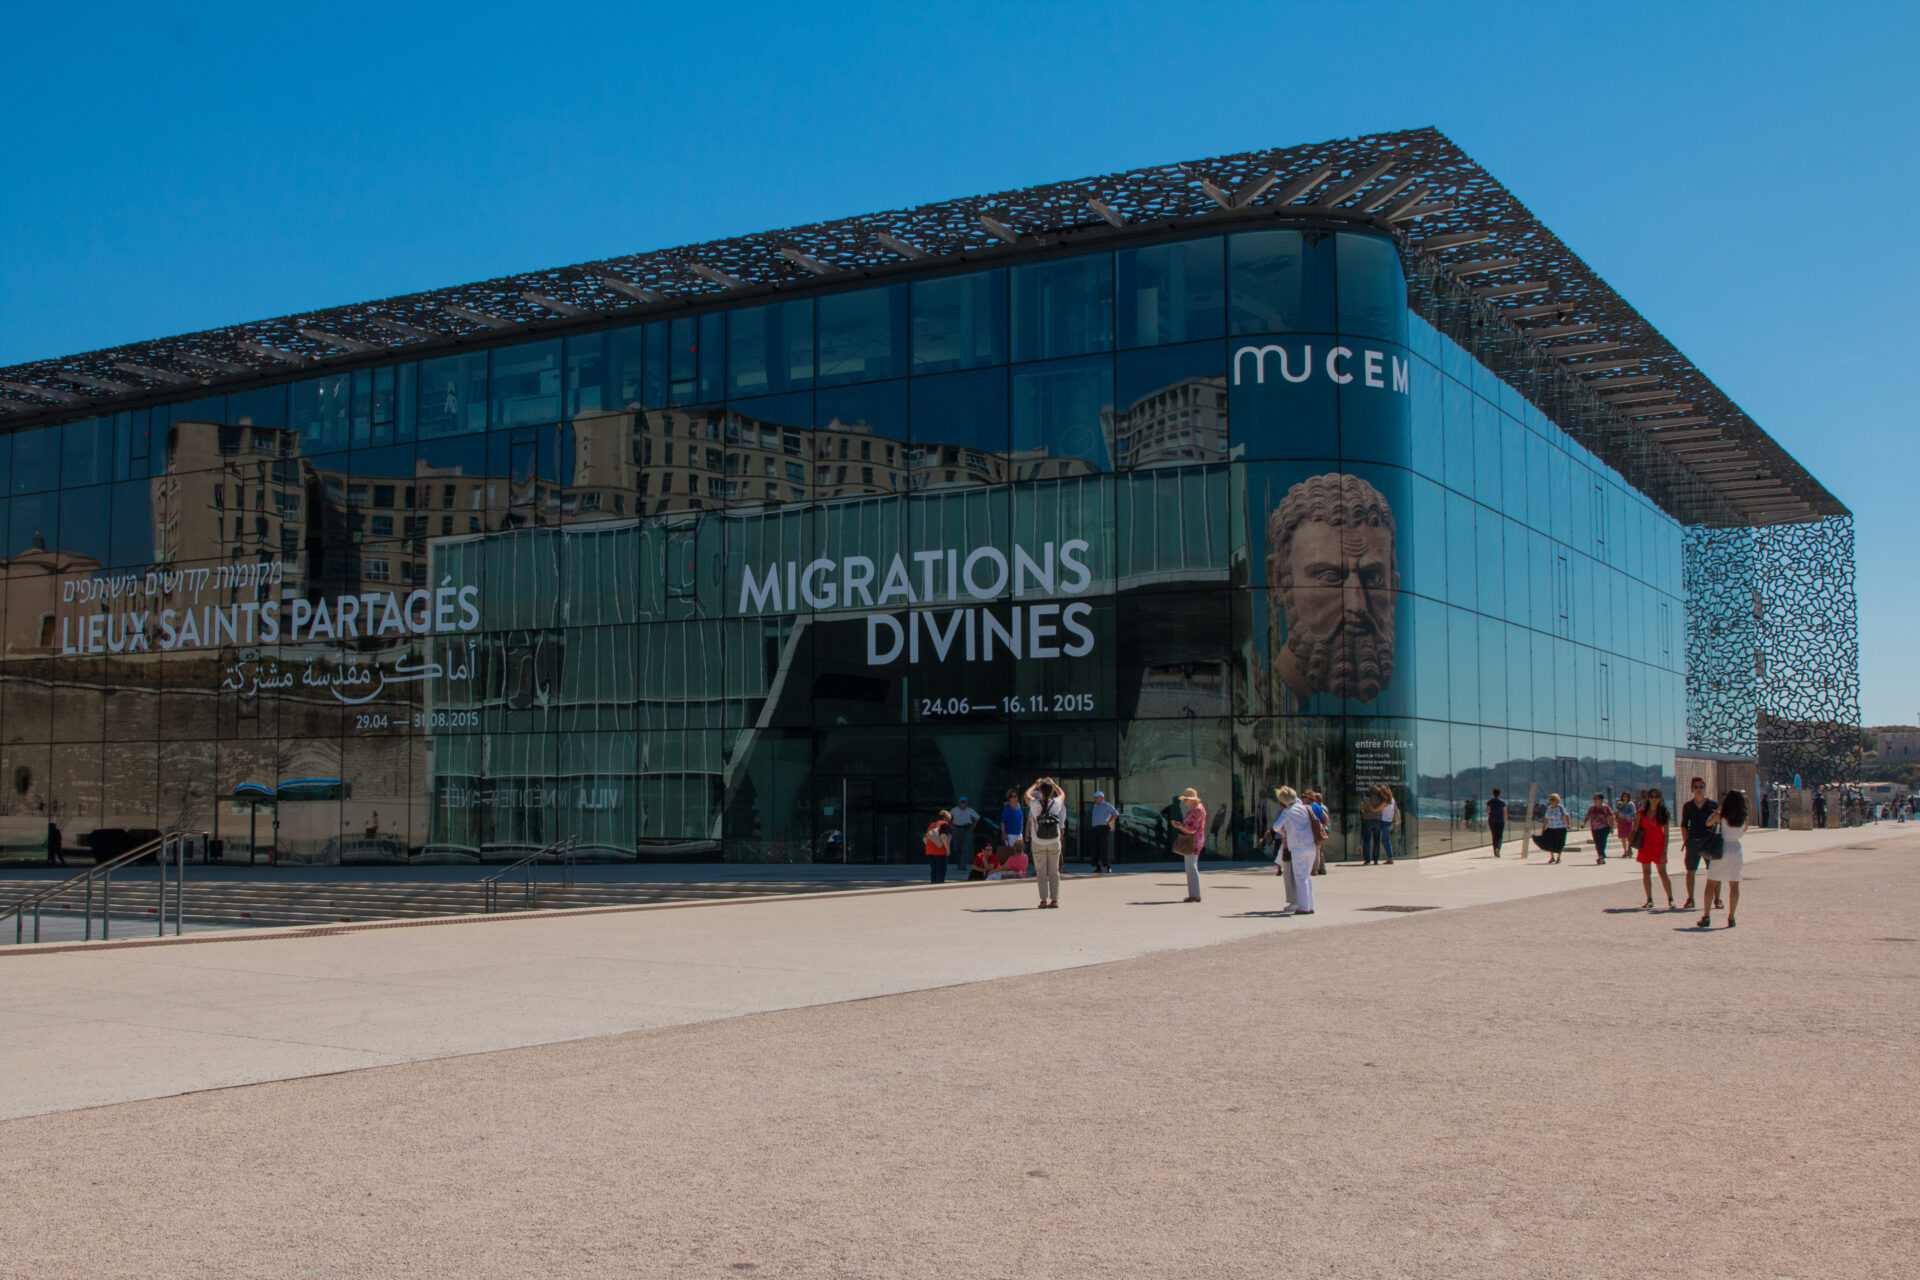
<point>1652,853</point>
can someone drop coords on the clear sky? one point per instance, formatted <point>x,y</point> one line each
<point>1743,173</point>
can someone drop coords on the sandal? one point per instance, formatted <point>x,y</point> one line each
<point>1704,922</point>
<point>1647,905</point>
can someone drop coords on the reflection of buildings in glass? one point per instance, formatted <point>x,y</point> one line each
<point>1333,582</point>
<point>1182,423</point>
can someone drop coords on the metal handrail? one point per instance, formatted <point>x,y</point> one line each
<point>529,866</point>
<point>103,871</point>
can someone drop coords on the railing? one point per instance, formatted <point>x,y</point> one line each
<point>529,866</point>
<point>173,843</point>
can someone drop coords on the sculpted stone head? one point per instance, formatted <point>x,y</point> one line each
<point>1331,567</point>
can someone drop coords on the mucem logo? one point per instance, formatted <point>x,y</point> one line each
<point>970,633</point>
<point>1371,368</point>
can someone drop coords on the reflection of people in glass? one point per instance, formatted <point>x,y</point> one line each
<point>1331,568</point>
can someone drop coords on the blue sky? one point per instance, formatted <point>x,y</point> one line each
<point>1742,173</point>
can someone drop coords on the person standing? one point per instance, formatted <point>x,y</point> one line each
<point>1696,829</point>
<point>1600,823</point>
<point>1299,842</point>
<point>1553,834</point>
<point>56,847</point>
<point>1047,814</point>
<point>1389,814</point>
<point>938,842</point>
<point>1496,819</point>
<point>1651,852</point>
<point>1190,840</point>
<point>1317,807</point>
<point>1105,818</point>
<point>1370,827</point>
<point>1467,813</point>
<point>1726,869</point>
<point>1012,823</point>
<point>1624,815</point>
<point>964,824</point>
<point>1820,809</point>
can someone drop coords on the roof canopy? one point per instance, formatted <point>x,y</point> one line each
<point>1416,184</point>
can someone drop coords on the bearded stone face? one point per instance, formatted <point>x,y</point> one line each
<point>1336,581</point>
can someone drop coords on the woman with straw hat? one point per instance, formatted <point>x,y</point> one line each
<point>1190,839</point>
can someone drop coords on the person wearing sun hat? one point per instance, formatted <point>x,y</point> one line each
<point>1190,840</point>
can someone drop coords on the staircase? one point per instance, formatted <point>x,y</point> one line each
<point>268,903</point>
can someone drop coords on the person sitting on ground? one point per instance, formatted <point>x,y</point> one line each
<point>986,864</point>
<point>1015,865</point>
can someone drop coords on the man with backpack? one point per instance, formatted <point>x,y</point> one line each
<point>1047,814</point>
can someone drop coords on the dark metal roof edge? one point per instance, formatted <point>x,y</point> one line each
<point>1417,184</point>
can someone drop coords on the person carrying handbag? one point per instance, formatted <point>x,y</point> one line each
<point>1190,840</point>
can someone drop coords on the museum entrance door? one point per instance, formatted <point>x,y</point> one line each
<point>844,825</point>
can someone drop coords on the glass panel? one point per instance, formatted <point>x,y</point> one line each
<point>318,411</point>
<point>1283,404</point>
<point>453,395</point>
<point>960,429</point>
<point>1280,282</point>
<point>1063,308</point>
<point>1171,292</point>
<point>1171,407</point>
<point>87,451</point>
<point>526,384</point>
<point>34,523</point>
<point>863,335</point>
<point>860,429</point>
<point>1372,291</point>
<point>85,524</point>
<point>770,349</point>
<point>1060,417</point>
<point>36,460</point>
<point>133,531</point>
<point>960,322</point>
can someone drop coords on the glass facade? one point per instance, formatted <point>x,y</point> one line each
<point>773,583</point>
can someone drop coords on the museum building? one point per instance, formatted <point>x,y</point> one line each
<point>1325,466</point>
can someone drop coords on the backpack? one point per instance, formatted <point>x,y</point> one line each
<point>1047,825</point>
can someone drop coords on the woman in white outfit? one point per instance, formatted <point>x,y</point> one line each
<point>1293,829</point>
<point>1726,869</point>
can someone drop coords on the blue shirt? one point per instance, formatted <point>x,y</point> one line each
<point>1104,813</point>
<point>1011,821</point>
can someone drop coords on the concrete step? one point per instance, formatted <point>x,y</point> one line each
<point>266,903</point>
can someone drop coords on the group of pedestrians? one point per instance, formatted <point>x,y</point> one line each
<point>1710,842</point>
<point>1299,831</point>
<point>1033,828</point>
<point>1378,813</point>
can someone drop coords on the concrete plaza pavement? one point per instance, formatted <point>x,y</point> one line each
<point>1551,1084</point>
<point>138,1018</point>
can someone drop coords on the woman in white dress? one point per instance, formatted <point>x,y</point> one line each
<point>1725,869</point>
